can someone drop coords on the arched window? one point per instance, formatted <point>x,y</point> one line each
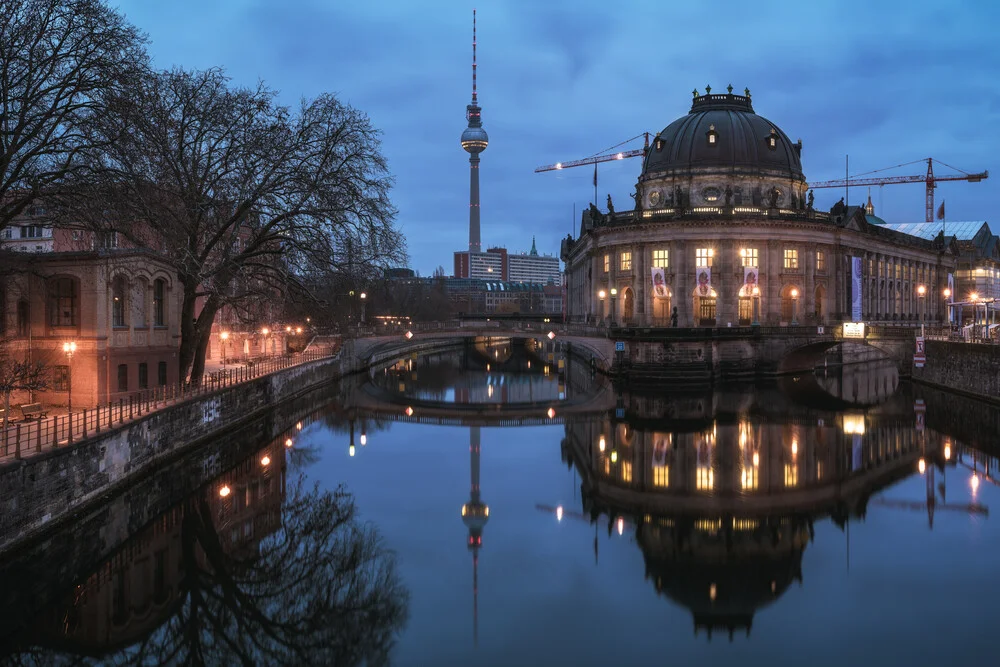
<point>140,309</point>
<point>23,318</point>
<point>63,297</point>
<point>159,309</point>
<point>118,291</point>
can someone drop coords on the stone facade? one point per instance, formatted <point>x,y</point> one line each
<point>966,367</point>
<point>728,196</point>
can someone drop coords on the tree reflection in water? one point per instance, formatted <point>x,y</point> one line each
<point>321,589</point>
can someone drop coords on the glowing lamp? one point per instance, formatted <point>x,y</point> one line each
<point>265,461</point>
<point>224,491</point>
<point>921,466</point>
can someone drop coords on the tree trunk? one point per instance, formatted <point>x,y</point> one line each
<point>186,354</point>
<point>6,409</point>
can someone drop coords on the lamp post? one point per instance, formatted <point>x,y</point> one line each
<point>265,331</point>
<point>364,297</point>
<point>601,294</point>
<point>975,314</point>
<point>756,306</point>
<point>795,305</point>
<point>614,299</point>
<point>69,348</point>
<point>921,293</point>
<point>224,336</point>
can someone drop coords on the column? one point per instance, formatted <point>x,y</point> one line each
<point>808,300</point>
<point>683,282</point>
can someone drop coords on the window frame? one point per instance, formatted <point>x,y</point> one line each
<point>625,260</point>
<point>791,259</point>
<point>58,299</point>
<point>749,253</point>
<point>159,302</point>
<point>706,255</point>
<point>664,257</point>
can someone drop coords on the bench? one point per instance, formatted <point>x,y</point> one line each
<point>33,410</point>
<point>10,418</point>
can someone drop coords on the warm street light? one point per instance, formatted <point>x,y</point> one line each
<point>921,292</point>
<point>224,491</point>
<point>265,461</point>
<point>795,305</point>
<point>364,297</point>
<point>614,298</point>
<point>602,294</point>
<point>756,305</point>
<point>298,330</point>
<point>265,331</point>
<point>69,348</point>
<point>224,336</point>
<point>288,329</point>
<point>921,466</point>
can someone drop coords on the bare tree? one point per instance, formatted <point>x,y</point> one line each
<point>58,61</point>
<point>18,375</point>
<point>243,195</point>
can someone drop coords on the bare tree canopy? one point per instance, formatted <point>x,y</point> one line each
<point>58,61</point>
<point>244,195</point>
<point>17,375</point>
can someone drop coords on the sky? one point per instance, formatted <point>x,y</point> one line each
<point>886,83</point>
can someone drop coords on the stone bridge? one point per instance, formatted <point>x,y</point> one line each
<point>657,355</point>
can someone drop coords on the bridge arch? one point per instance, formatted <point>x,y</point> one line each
<point>807,357</point>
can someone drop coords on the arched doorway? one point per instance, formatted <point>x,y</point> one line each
<point>704,302</point>
<point>748,311</point>
<point>662,306</point>
<point>790,304</point>
<point>820,304</point>
<point>628,305</point>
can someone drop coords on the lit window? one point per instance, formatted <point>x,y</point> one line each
<point>607,263</point>
<point>661,259</point>
<point>661,476</point>
<point>626,469</point>
<point>791,258</point>
<point>772,141</point>
<point>712,135</point>
<point>626,261</point>
<point>705,480</point>
<point>819,470</point>
<point>820,261</point>
<point>749,257</point>
<point>791,474</point>
<point>703,256</point>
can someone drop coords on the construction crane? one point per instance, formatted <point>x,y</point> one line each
<point>603,156</point>
<point>929,179</point>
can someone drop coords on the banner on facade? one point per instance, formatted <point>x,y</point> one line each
<point>751,276</point>
<point>661,445</point>
<point>704,274</point>
<point>659,282</point>
<point>856,289</point>
<point>951,296</point>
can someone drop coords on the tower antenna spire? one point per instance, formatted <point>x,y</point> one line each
<point>474,56</point>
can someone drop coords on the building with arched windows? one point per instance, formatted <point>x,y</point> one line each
<point>724,231</point>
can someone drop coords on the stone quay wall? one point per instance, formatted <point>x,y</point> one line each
<point>54,484</point>
<point>969,368</point>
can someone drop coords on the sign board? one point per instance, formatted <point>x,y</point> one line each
<point>619,413</point>
<point>820,330</point>
<point>919,356</point>
<point>619,346</point>
<point>854,329</point>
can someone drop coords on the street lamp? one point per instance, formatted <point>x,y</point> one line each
<point>921,292</point>
<point>265,331</point>
<point>975,312</point>
<point>947,296</point>
<point>795,305</point>
<point>224,336</point>
<point>756,306</point>
<point>69,348</point>
<point>601,294</point>
<point>364,296</point>
<point>614,298</point>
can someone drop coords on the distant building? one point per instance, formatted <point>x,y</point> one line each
<point>399,273</point>
<point>489,265</point>
<point>534,268</point>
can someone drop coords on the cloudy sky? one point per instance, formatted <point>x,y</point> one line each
<point>884,81</point>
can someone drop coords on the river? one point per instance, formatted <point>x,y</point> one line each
<point>497,506</point>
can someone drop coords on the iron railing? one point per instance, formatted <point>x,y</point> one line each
<point>31,436</point>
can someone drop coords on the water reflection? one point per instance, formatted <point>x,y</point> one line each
<point>252,569</point>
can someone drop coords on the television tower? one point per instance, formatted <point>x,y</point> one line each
<point>474,140</point>
<point>475,514</point>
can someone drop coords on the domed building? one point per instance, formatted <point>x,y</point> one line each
<point>724,231</point>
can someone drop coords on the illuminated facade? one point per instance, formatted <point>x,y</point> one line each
<point>724,231</point>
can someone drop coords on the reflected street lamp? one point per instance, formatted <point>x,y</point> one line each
<point>69,348</point>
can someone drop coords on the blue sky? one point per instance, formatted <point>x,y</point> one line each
<point>886,82</point>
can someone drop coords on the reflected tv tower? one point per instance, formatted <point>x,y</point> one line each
<point>475,514</point>
<point>474,140</point>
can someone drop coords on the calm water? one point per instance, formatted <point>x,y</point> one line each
<point>767,525</point>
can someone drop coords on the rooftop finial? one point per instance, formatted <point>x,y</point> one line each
<point>708,90</point>
<point>746,91</point>
<point>730,88</point>
<point>695,92</point>
<point>473,56</point>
